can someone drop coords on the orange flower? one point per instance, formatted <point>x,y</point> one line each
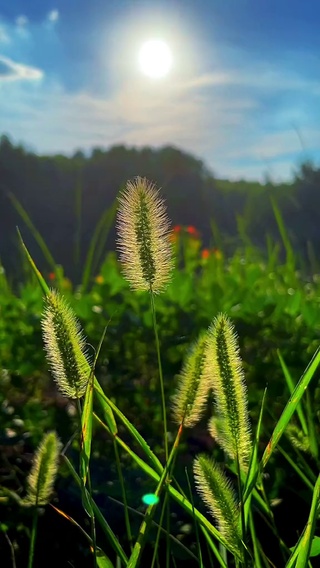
<point>193,231</point>
<point>52,276</point>
<point>99,279</point>
<point>205,253</point>
<point>175,233</point>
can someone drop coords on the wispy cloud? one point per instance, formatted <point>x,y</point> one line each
<point>22,21</point>
<point>12,71</point>
<point>4,36</point>
<point>53,16</point>
<point>211,125</point>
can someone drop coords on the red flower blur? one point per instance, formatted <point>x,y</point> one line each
<point>193,232</point>
<point>205,253</point>
<point>52,276</point>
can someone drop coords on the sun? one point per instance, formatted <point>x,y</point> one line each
<point>155,58</point>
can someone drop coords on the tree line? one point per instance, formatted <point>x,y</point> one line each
<point>66,196</point>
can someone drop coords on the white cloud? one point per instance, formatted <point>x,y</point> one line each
<point>53,16</point>
<point>57,121</point>
<point>12,71</point>
<point>216,131</point>
<point>22,21</point>
<point>4,36</point>
<point>265,78</point>
<point>217,116</point>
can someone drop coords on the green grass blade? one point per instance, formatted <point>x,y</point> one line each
<point>290,408</point>
<point>283,233</point>
<point>42,282</point>
<point>97,243</point>
<point>216,233</point>
<point>296,468</point>
<point>86,431</point>
<point>103,561</point>
<point>253,466</point>
<point>86,417</point>
<point>146,523</point>
<point>37,236</point>
<point>100,518</point>
<point>123,493</point>
<point>313,438</point>
<point>195,523</point>
<point>207,528</point>
<point>132,430</point>
<point>301,551</point>
<point>292,560</point>
<point>177,542</point>
<point>104,235</point>
<point>306,541</point>
<point>139,461</point>
<point>105,407</point>
<point>291,387</point>
<point>255,542</point>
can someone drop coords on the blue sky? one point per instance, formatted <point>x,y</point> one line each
<point>243,93</point>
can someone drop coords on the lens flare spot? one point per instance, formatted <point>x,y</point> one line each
<point>150,499</point>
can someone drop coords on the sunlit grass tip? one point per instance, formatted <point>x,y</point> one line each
<point>217,492</point>
<point>65,346</point>
<point>143,237</point>
<point>40,481</point>
<point>225,373</point>
<point>188,402</point>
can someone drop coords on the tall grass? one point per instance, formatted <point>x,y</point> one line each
<point>212,380</point>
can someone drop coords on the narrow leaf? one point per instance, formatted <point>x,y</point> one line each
<point>100,518</point>
<point>291,386</point>
<point>86,418</point>
<point>290,408</point>
<point>42,282</point>
<point>306,542</point>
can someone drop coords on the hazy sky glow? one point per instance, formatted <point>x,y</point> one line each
<point>243,93</point>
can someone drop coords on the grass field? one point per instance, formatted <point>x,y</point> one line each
<point>133,410</point>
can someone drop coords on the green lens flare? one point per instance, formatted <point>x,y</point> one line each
<point>150,499</point>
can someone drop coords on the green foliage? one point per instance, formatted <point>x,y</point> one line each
<point>276,311</point>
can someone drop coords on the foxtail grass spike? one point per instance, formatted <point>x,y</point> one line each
<point>297,438</point>
<point>216,491</point>
<point>192,391</point>
<point>43,472</point>
<point>143,237</point>
<point>215,427</point>
<point>224,372</point>
<point>65,346</point>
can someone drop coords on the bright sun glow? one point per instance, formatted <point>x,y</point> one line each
<point>155,58</point>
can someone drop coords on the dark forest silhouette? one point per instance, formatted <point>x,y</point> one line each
<point>66,196</point>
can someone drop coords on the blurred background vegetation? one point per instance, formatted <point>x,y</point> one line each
<point>246,249</point>
<point>65,198</point>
